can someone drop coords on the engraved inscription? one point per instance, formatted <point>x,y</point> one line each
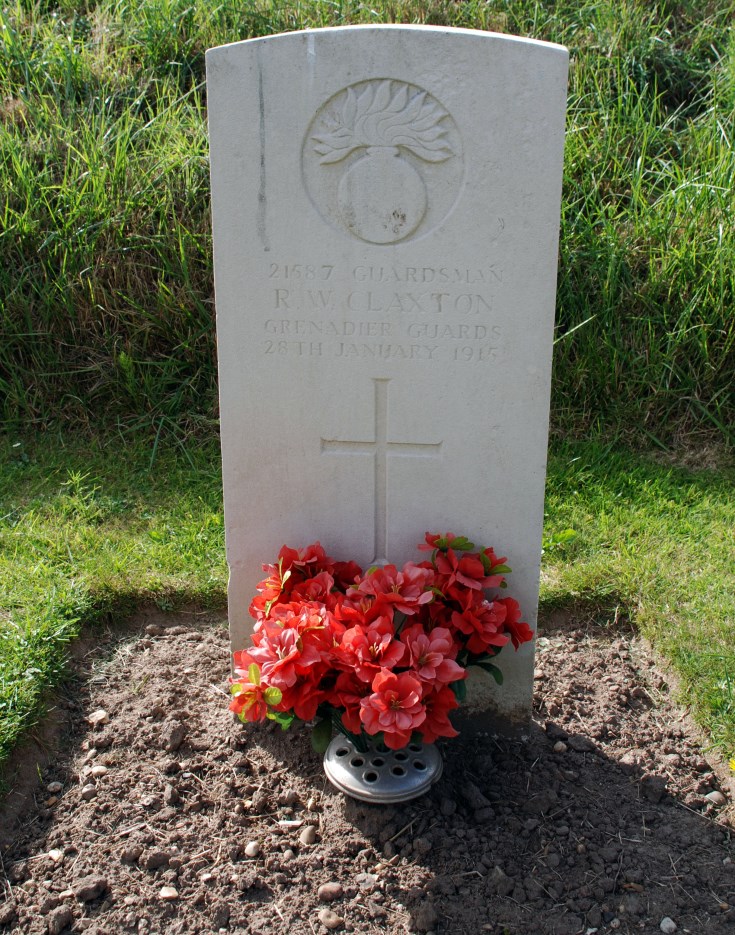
<point>380,448</point>
<point>388,313</point>
<point>382,160</point>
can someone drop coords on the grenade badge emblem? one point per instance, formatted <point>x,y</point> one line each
<point>375,156</point>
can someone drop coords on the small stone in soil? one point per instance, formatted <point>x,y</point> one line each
<point>560,747</point>
<point>89,791</point>
<point>328,892</point>
<point>330,919</point>
<point>716,797</point>
<point>667,926</point>
<point>252,849</point>
<point>54,787</point>
<point>98,717</point>
<point>56,855</point>
<point>169,893</point>
<point>308,835</point>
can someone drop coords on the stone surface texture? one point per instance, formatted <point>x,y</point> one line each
<point>386,212</point>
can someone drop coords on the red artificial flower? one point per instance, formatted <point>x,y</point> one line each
<point>292,568</point>
<point>250,698</point>
<point>282,656</point>
<point>303,699</point>
<point>520,632</point>
<point>394,707</point>
<point>438,704</point>
<point>347,693</point>
<point>369,648</point>
<point>432,655</point>
<point>391,589</point>
<point>346,574</point>
<point>483,622</point>
<point>325,635</point>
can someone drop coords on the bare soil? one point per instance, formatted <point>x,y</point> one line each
<point>169,816</point>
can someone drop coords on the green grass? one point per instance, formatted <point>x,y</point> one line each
<point>105,253</point>
<point>88,531</point>
<point>657,542</point>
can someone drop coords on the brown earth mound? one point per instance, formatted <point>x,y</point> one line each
<point>155,812</point>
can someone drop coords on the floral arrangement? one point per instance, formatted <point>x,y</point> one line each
<point>380,653</point>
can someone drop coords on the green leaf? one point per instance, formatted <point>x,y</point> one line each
<point>460,690</point>
<point>285,719</point>
<point>500,570</point>
<point>254,673</point>
<point>462,544</point>
<point>234,689</point>
<point>493,670</point>
<point>273,696</point>
<point>321,735</point>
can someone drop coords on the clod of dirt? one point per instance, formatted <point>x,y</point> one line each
<point>59,919</point>
<point>90,888</point>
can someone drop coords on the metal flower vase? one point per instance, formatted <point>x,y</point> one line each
<point>378,774</point>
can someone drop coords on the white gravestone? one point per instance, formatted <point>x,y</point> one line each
<point>386,211</point>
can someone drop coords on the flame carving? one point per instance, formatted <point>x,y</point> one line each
<point>384,114</point>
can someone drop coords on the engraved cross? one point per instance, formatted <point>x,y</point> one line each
<point>380,448</point>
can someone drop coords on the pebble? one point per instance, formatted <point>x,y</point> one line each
<point>560,747</point>
<point>308,836</point>
<point>330,919</point>
<point>56,855</point>
<point>252,849</point>
<point>716,797</point>
<point>97,770</point>
<point>328,892</point>
<point>667,925</point>
<point>89,791</point>
<point>54,787</point>
<point>98,718</point>
<point>168,893</point>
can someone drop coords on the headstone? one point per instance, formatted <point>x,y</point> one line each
<point>386,212</point>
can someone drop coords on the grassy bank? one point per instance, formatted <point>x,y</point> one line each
<point>82,540</point>
<point>105,253</point>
